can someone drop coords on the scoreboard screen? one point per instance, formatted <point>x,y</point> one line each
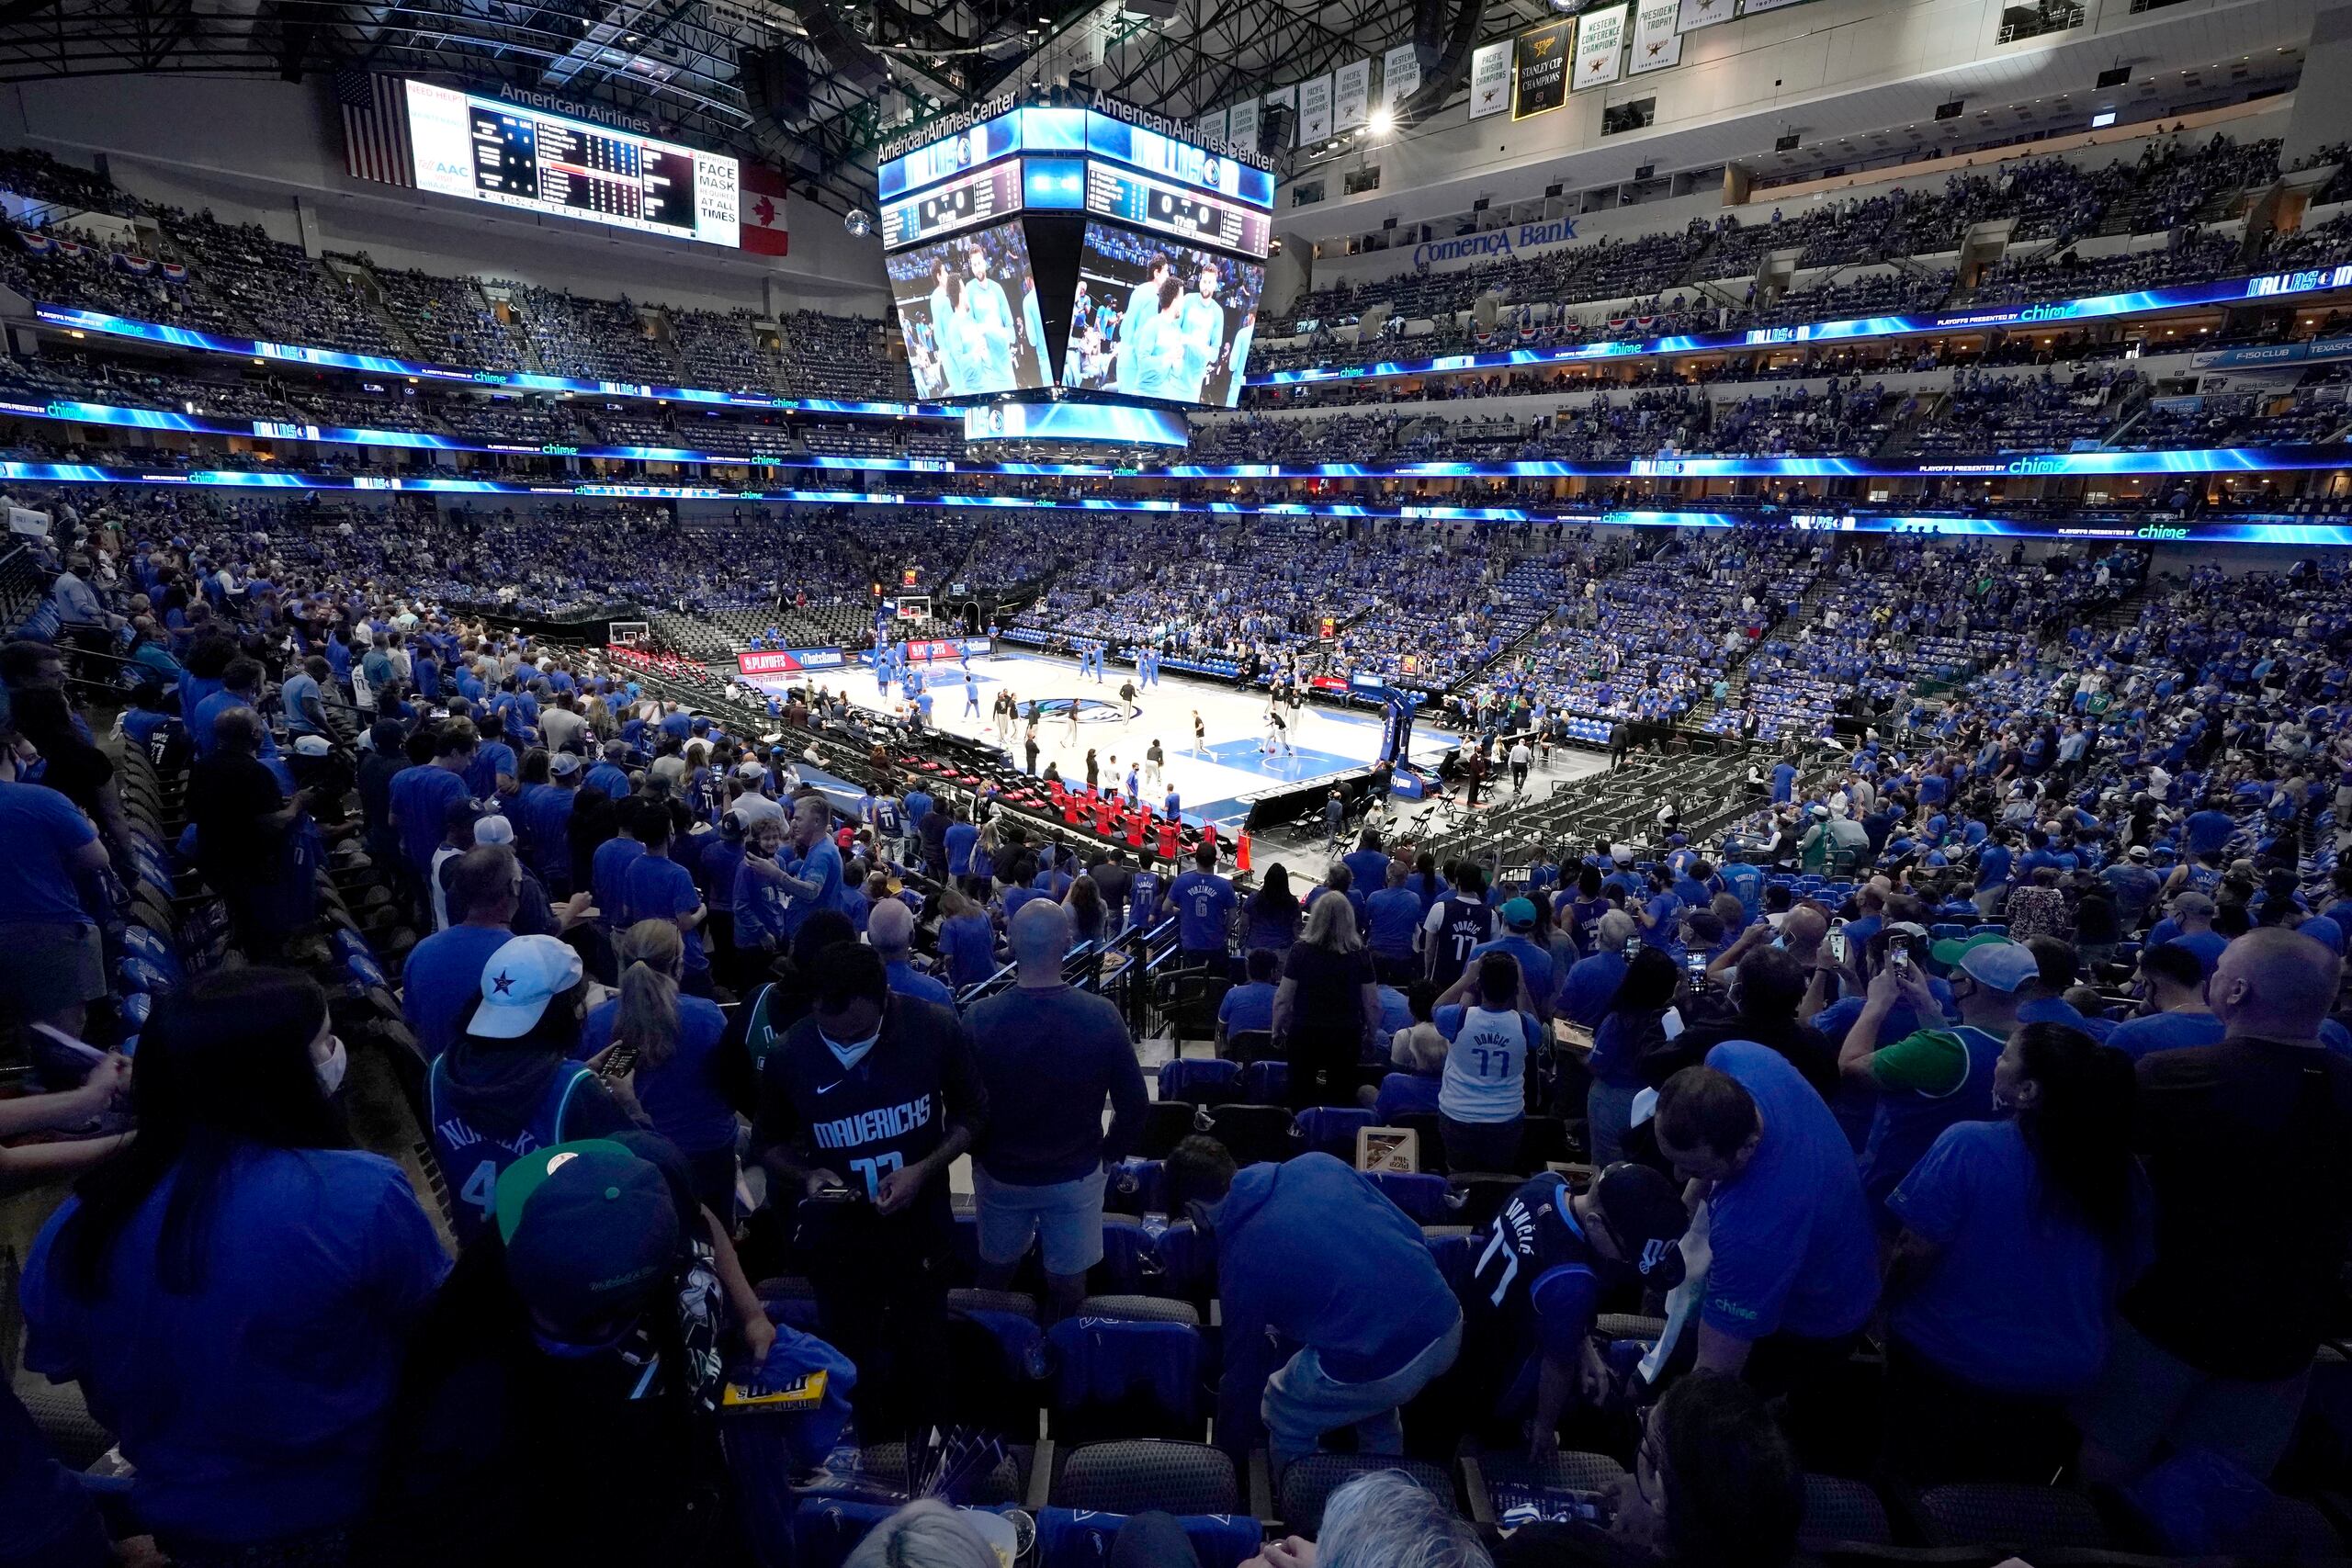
<point>488,150</point>
<point>967,201</point>
<point>1125,197</point>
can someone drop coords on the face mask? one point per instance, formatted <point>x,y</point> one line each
<point>331,1071</point>
<point>849,1056</point>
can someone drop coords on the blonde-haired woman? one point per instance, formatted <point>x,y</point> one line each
<point>675,1039</point>
<point>1328,1004</point>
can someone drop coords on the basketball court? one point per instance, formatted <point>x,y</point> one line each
<point>1215,782</point>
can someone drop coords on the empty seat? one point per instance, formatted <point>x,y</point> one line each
<point>1837,1509</point>
<point>2018,1519</point>
<point>1132,1477</point>
<point>1253,1132</point>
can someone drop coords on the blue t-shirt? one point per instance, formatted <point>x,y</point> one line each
<point>1204,904</point>
<point>2019,1300</point>
<point>43,832</point>
<point>969,943</point>
<point>423,796</point>
<point>255,1406</point>
<point>961,837</point>
<point>1393,914</point>
<point>2166,1031</point>
<point>442,981</point>
<point>682,1095</point>
<point>1248,1009</point>
<point>658,888</point>
<point>2206,944</point>
<point>608,876</point>
<point>908,981</point>
<point>1793,1244</point>
<point>1534,965</point>
<point>821,865</point>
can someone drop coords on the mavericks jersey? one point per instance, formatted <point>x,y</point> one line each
<point>1536,1285</point>
<point>1143,897</point>
<point>1464,925</point>
<point>471,1160</point>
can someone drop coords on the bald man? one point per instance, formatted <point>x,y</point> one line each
<point>890,931</point>
<point>2248,1146</point>
<point>1056,1054</point>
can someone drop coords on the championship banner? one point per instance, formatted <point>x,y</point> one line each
<point>1540,65</point>
<point>1601,47</point>
<point>1351,96</point>
<point>1241,124</point>
<point>1212,125</point>
<point>1314,109</point>
<point>1697,13</point>
<point>1656,46</point>
<point>1490,79</point>
<point>1400,75</point>
<point>1757,7</point>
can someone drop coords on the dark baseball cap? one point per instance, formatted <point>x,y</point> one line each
<point>591,1230</point>
<point>1648,1220</point>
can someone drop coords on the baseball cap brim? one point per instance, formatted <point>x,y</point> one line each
<point>518,1181</point>
<point>1948,951</point>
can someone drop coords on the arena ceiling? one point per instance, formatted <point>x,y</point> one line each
<point>676,60</point>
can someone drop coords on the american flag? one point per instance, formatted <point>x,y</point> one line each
<point>375,127</point>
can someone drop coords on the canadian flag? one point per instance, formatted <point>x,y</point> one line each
<point>762,211</point>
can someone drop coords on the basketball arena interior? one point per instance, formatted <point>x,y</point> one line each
<point>1176,783</point>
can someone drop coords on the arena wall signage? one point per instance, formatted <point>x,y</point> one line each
<point>2097,307</point>
<point>75,319</point>
<point>2252,529</point>
<point>788,662</point>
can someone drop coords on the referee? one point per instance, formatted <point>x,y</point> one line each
<point>863,1105</point>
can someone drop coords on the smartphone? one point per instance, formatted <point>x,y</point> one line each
<point>1898,953</point>
<point>1836,945</point>
<point>1633,948</point>
<point>621,1062</point>
<point>1697,964</point>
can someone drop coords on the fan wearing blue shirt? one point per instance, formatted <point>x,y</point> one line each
<point>656,888</point>
<point>2018,1235</point>
<point>235,1294</point>
<point>817,884</point>
<point>1795,1272</point>
<point>1518,940</point>
<point>1204,903</point>
<point>1248,1008</point>
<point>2173,981</point>
<point>441,981</point>
<point>422,796</point>
<point>890,931</point>
<point>1367,863</point>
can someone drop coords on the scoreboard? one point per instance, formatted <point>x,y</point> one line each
<point>1127,197</point>
<point>488,150</point>
<point>967,201</point>
<point>1092,248</point>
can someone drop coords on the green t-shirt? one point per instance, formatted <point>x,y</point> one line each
<point>1932,1062</point>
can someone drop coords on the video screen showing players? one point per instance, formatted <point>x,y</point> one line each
<point>969,308</point>
<point>1155,319</point>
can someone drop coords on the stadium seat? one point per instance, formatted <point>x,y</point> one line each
<point>1838,1510</point>
<point>1332,1130</point>
<point>2025,1519</point>
<point>1129,1477</point>
<point>1201,1080</point>
<point>1423,1196</point>
<point>1251,1045</point>
<point>1265,1082</point>
<point>1253,1132</point>
<point>1307,1482</point>
<point>1126,1375</point>
<point>1166,1124</point>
